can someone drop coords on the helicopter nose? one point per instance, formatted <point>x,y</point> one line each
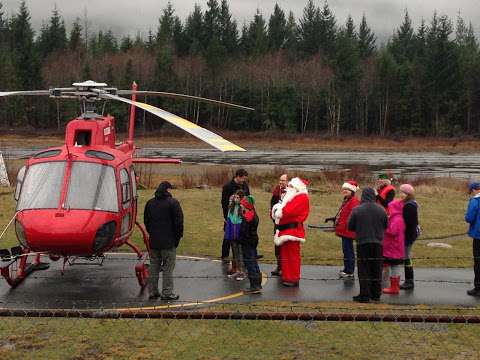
<point>66,233</point>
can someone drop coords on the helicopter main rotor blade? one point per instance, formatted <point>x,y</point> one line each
<point>184,97</point>
<point>25,93</point>
<point>203,134</point>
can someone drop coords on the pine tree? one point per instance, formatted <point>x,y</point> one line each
<point>328,31</point>
<point>165,31</point>
<point>402,45</point>
<point>291,36</point>
<point>277,29</point>
<point>126,44</point>
<point>442,68</point>
<point>469,67</point>
<point>3,29</point>
<point>25,62</point>
<point>366,39</point>
<point>75,39</point>
<point>228,29</point>
<point>309,29</point>
<point>256,41</point>
<point>107,43</point>
<point>211,24</point>
<point>194,30</point>
<point>350,31</point>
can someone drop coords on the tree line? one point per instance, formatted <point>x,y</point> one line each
<point>306,75</point>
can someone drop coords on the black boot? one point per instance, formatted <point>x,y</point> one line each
<point>408,284</point>
<point>276,272</point>
<point>255,285</point>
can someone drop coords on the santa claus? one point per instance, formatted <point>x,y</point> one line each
<point>289,216</point>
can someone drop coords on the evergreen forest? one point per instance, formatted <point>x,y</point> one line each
<point>306,74</point>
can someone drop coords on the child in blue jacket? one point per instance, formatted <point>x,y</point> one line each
<point>473,218</point>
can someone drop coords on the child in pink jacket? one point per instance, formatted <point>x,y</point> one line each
<point>393,245</point>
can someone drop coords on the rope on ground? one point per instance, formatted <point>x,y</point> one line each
<point>8,225</point>
<point>243,315</point>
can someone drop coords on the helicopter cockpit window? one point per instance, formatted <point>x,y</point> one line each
<point>133,176</point>
<point>125,183</point>
<point>92,187</point>
<point>99,155</point>
<point>83,138</point>
<point>47,154</point>
<point>20,178</point>
<point>42,186</point>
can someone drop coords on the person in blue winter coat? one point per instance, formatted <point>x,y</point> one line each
<point>472,217</point>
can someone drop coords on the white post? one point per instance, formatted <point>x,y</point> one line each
<point>3,173</point>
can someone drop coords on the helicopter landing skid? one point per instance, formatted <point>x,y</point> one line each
<point>18,269</point>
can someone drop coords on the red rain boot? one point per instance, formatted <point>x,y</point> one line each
<point>394,288</point>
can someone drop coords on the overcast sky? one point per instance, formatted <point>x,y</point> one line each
<point>133,16</point>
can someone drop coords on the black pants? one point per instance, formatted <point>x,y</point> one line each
<point>225,248</point>
<point>370,263</point>
<point>250,261</point>
<point>476,262</point>
<point>277,255</point>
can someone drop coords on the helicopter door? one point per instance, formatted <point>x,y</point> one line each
<point>126,187</point>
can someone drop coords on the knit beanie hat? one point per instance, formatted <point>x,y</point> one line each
<point>351,185</point>
<point>407,189</point>
<point>248,202</point>
<point>474,186</point>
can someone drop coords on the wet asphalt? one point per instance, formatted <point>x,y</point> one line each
<point>113,285</point>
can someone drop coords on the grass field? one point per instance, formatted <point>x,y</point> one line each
<point>441,213</point>
<point>50,338</point>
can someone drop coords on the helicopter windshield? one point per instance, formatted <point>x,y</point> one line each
<point>42,186</point>
<point>92,187</point>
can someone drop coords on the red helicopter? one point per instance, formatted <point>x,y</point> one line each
<point>79,200</point>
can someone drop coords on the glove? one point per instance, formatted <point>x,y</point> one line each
<point>332,219</point>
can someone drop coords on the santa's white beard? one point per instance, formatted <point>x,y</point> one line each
<point>289,195</point>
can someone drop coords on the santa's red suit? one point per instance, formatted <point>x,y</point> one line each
<point>289,216</point>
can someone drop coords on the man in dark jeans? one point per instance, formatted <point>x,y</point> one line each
<point>249,241</point>
<point>472,217</point>
<point>163,220</point>
<point>369,222</point>
<point>239,182</point>
<point>277,195</point>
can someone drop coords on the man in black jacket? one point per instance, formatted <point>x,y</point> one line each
<point>239,182</point>
<point>163,220</point>
<point>369,221</point>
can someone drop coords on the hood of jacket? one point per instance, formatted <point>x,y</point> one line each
<point>368,195</point>
<point>162,190</point>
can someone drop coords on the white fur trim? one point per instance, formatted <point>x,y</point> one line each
<point>298,184</point>
<point>277,211</point>
<point>279,240</point>
<point>350,187</point>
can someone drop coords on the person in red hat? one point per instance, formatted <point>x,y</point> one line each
<point>289,215</point>
<point>350,201</point>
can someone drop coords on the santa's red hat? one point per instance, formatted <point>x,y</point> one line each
<point>298,184</point>
<point>351,185</point>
